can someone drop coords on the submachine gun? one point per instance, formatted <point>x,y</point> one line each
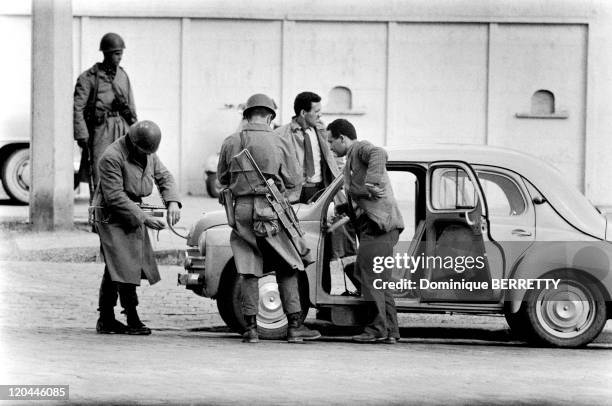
<point>282,208</point>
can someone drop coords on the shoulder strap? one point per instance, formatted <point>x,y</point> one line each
<point>93,95</point>
<point>242,140</point>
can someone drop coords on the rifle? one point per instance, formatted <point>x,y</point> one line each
<point>282,209</point>
<point>152,210</point>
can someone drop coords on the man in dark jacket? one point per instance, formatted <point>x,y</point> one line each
<point>103,107</point>
<point>250,245</point>
<point>378,222</point>
<point>128,168</point>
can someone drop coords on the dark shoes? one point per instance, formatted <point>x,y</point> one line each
<point>110,326</point>
<point>371,338</point>
<point>250,334</point>
<point>297,332</point>
<point>134,325</point>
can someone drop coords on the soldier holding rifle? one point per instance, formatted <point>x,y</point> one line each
<point>257,167</point>
<point>128,168</point>
<point>103,107</point>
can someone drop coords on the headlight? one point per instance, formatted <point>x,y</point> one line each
<point>202,243</point>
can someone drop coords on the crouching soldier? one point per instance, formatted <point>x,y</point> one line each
<point>253,240</point>
<point>128,168</point>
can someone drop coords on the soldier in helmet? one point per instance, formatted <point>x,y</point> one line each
<point>103,107</point>
<point>250,248</point>
<point>128,168</point>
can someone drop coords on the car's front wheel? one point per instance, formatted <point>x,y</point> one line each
<point>16,175</point>
<point>571,315</point>
<point>271,319</point>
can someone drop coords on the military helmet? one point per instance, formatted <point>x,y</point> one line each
<point>260,100</point>
<point>111,42</point>
<point>145,135</point>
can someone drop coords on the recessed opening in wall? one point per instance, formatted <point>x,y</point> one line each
<point>340,99</point>
<point>543,102</point>
<point>543,105</point>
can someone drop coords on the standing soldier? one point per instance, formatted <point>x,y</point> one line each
<point>103,107</point>
<point>250,243</point>
<point>128,168</point>
<point>378,222</point>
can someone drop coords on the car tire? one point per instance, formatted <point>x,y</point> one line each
<point>16,175</point>
<point>271,319</point>
<point>212,186</point>
<point>572,315</point>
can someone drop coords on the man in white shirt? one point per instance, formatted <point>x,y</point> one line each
<point>306,134</point>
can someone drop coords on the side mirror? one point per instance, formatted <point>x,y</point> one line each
<point>538,200</point>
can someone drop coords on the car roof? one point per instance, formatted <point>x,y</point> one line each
<point>550,182</point>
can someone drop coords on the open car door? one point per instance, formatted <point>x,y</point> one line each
<point>460,258</point>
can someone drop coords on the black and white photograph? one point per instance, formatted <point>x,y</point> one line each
<point>332,202</point>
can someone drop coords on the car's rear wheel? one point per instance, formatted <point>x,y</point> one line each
<point>271,319</point>
<point>16,175</point>
<point>571,315</point>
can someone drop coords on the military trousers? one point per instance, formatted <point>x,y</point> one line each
<point>373,242</point>
<point>109,291</point>
<point>287,287</point>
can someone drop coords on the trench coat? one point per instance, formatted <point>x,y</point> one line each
<point>275,161</point>
<point>124,240</point>
<point>110,125</point>
<point>292,134</point>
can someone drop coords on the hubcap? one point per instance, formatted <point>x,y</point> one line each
<point>271,313</point>
<point>22,174</point>
<point>567,311</point>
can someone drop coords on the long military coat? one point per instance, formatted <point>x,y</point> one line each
<point>110,125</point>
<point>124,239</point>
<point>275,161</point>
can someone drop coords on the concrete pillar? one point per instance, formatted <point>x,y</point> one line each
<point>51,192</point>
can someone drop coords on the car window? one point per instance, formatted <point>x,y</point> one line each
<point>452,189</point>
<point>504,197</point>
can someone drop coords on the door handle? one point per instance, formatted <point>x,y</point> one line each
<point>521,233</point>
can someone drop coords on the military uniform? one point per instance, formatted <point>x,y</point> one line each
<point>275,161</point>
<point>107,123</point>
<point>124,240</point>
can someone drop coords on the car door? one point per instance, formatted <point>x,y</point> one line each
<point>460,257</point>
<point>510,212</point>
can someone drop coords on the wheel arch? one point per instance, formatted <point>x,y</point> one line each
<point>515,301</point>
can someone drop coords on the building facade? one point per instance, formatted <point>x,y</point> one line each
<point>529,75</point>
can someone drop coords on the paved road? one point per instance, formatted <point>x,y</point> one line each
<point>48,311</point>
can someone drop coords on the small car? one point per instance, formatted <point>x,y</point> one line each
<point>487,231</point>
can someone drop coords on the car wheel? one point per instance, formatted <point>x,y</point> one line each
<point>16,175</point>
<point>271,319</point>
<point>212,186</point>
<point>570,316</point>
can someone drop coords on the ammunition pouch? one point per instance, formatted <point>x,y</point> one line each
<point>265,220</point>
<point>226,198</point>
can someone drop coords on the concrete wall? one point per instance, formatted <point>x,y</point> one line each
<point>418,71</point>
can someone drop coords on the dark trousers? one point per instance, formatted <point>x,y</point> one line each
<point>109,291</point>
<point>373,242</point>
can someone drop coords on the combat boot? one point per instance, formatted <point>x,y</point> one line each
<point>134,325</point>
<point>107,324</point>
<point>296,332</point>
<point>250,333</point>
